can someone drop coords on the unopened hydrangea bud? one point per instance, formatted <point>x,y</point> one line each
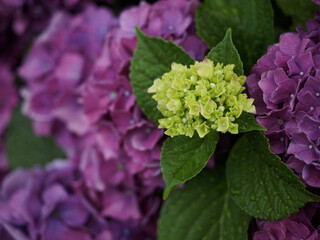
<point>200,98</point>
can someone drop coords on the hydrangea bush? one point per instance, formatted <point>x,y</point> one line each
<point>103,88</point>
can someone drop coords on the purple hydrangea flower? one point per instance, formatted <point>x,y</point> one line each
<point>296,227</point>
<point>285,85</point>
<point>316,2</point>
<point>58,63</point>
<point>22,20</point>
<point>4,168</point>
<point>8,100</point>
<point>8,96</point>
<point>42,204</point>
<point>90,109</point>
<point>134,152</point>
<point>49,204</point>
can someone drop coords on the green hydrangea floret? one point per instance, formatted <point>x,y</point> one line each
<point>200,98</point>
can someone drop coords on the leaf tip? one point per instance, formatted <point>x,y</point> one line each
<point>166,193</point>
<point>169,186</point>
<point>138,31</point>
<point>229,32</point>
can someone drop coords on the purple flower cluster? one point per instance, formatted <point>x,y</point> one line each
<point>22,20</point>
<point>8,96</point>
<point>8,100</point>
<point>121,158</point>
<point>285,84</point>
<point>316,2</point>
<point>296,227</point>
<point>49,204</point>
<point>78,90</point>
<point>58,63</point>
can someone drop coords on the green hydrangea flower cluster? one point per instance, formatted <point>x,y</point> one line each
<point>200,98</point>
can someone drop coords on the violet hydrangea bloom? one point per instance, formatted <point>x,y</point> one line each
<point>296,227</point>
<point>95,118</point>
<point>316,2</point>
<point>8,100</point>
<point>42,204</point>
<point>49,204</point>
<point>22,20</point>
<point>58,63</point>
<point>285,85</point>
<point>132,156</point>
<point>8,96</point>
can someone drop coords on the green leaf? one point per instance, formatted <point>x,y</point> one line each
<point>260,183</point>
<point>299,10</point>
<point>203,210</point>
<point>251,22</point>
<point>247,122</point>
<point>225,52</point>
<point>24,149</point>
<point>182,158</point>
<point>152,58</point>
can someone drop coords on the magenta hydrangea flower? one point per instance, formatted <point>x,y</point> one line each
<point>49,204</point>
<point>285,85</point>
<point>4,168</point>
<point>22,20</point>
<point>132,156</point>
<point>296,227</point>
<point>78,89</point>
<point>58,63</point>
<point>42,204</point>
<point>316,2</point>
<point>8,100</point>
<point>8,96</point>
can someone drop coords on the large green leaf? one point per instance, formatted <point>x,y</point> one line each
<point>24,149</point>
<point>203,210</point>
<point>225,52</point>
<point>298,10</point>
<point>152,58</point>
<point>247,122</point>
<point>182,158</point>
<point>251,22</point>
<point>260,183</point>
